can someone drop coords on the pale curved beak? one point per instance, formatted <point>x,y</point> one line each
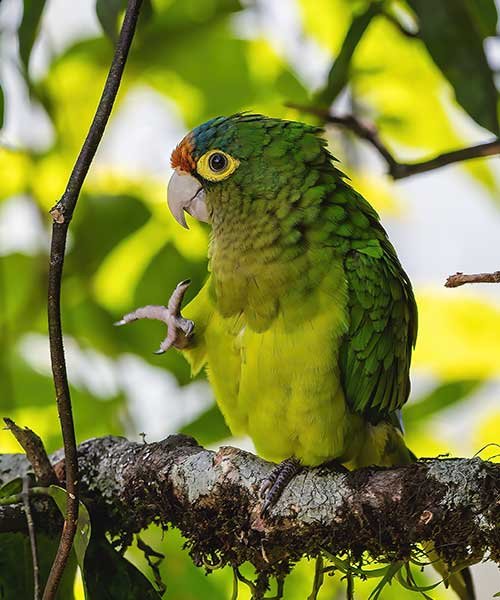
<point>186,194</point>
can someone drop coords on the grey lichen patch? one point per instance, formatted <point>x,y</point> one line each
<point>454,476</point>
<point>313,499</point>
<point>194,477</point>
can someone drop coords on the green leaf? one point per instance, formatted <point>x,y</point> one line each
<point>110,576</point>
<point>486,16</point>
<point>14,486</point>
<point>409,583</point>
<point>208,428</point>
<point>339,73</point>
<point>16,567</point>
<point>83,528</point>
<point>28,29</point>
<point>346,567</point>
<point>443,396</point>
<point>454,38</point>
<point>391,571</point>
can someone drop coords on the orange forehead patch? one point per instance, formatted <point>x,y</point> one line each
<point>182,156</point>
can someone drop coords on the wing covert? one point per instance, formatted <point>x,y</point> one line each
<point>376,352</point>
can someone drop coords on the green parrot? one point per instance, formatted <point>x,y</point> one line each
<point>307,320</point>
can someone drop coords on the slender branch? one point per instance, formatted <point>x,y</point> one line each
<point>62,214</point>
<point>396,169</point>
<point>447,158</point>
<point>462,278</point>
<point>31,532</point>
<point>212,497</point>
<point>35,452</point>
<point>154,560</point>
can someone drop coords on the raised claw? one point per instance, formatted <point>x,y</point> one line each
<point>180,329</point>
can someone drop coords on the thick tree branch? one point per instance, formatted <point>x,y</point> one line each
<point>212,497</point>
<point>462,278</point>
<point>396,169</point>
<point>35,452</point>
<point>62,214</point>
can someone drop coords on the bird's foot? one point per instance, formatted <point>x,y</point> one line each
<point>273,486</point>
<point>180,330</point>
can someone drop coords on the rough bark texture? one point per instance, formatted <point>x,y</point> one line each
<point>212,497</point>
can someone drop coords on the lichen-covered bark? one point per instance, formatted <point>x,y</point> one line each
<point>212,497</point>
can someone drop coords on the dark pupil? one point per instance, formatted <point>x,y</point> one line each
<point>217,162</point>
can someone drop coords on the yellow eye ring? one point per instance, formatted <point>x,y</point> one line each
<point>216,165</point>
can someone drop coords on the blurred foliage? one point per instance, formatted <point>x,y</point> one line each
<point>427,93</point>
<point>28,29</point>
<point>454,32</point>
<point>16,566</point>
<point>120,579</point>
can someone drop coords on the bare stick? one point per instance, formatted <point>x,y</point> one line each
<point>462,278</point>
<point>35,452</point>
<point>61,214</point>
<point>396,169</point>
<point>31,532</point>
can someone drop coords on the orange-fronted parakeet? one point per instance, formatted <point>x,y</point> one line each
<point>307,320</point>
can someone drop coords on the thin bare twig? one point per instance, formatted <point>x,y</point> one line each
<point>462,278</point>
<point>25,494</point>
<point>62,214</point>
<point>154,560</point>
<point>35,452</point>
<point>396,169</point>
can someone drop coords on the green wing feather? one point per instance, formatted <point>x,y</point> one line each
<point>376,352</point>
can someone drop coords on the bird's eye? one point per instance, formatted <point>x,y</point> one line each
<point>217,162</point>
<point>216,165</point>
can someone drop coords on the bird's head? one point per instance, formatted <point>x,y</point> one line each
<point>240,164</point>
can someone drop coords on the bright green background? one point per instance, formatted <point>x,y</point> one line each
<point>205,58</point>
